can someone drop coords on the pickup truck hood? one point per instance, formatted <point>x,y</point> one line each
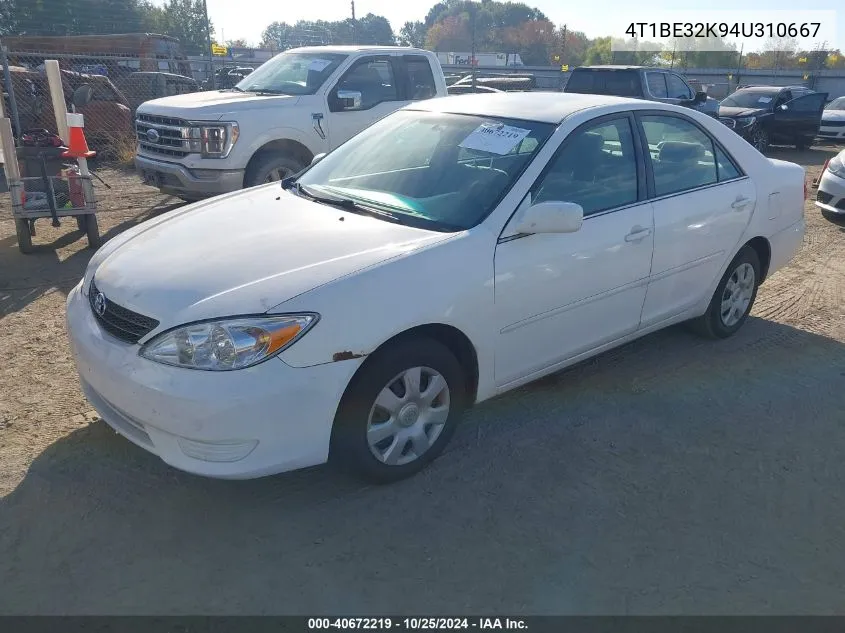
<point>213,104</point>
<point>244,253</point>
<point>733,111</point>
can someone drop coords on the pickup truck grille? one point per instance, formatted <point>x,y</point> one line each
<point>163,135</point>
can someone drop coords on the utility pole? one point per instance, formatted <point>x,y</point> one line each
<point>472,54</point>
<point>208,46</point>
<point>353,21</point>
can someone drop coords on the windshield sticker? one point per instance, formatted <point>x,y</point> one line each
<point>319,65</point>
<point>494,138</point>
<point>765,99</point>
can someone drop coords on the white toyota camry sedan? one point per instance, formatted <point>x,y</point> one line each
<point>456,249</point>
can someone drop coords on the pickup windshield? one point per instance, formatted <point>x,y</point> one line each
<point>750,99</point>
<point>292,73</point>
<point>444,172</point>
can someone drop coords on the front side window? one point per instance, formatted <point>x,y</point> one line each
<point>434,170</point>
<point>372,79</point>
<point>678,88</point>
<point>681,154</point>
<point>596,168</point>
<point>292,73</point>
<point>657,85</point>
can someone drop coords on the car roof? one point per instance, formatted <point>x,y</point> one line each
<point>543,107</point>
<point>620,67</point>
<point>356,49</point>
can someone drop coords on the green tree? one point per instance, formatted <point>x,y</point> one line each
<point>370,29</point>
<point>412,34</point>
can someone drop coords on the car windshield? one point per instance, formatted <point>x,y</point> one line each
<point>433,170</point>
<point>836,104</point>
<point>750,99</point>
<point>292,73</point>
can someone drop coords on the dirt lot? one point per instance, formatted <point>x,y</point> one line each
<point>673,475</point>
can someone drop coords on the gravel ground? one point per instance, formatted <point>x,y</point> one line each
<point>673,475</point>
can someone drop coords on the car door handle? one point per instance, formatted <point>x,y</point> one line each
<point>637,234</point>
<point>740,203</point>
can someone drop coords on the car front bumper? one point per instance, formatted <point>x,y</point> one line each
<point>265,419</point>
<point>832,133</point>
<point>178,180</point>
<point>831,193</point>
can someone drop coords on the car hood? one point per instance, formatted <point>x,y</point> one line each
<point>733,111</point>
<point>833,115</point>
<point>244,253</point>
<point>213,104</point>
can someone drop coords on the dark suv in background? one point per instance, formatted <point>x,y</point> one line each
<point>763,115</point>
<point>640,82</point>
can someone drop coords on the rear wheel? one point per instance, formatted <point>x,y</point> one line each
<point>733,299</point>
<point>400,411</point>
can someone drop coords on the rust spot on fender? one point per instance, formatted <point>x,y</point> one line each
<point>338,356</point>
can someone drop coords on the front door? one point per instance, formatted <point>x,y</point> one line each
<point>559,295</point>
<point>702,205</point>
<point>369,90</point>
<point>802,117</point>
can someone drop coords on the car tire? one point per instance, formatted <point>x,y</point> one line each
<point>270,168</point>
<point>379,420</point>
<point>741,280</point>
<point>760,140</point>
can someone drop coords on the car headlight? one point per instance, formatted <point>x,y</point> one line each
<point>213,140</point>
<point>837,166</point>
<point>227,344</point>
<point>746,120</point>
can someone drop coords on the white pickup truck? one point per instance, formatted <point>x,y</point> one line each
<point>301,103</point>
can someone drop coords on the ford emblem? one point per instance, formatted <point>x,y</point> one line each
<point>100,304</point>
<point>152,135</point>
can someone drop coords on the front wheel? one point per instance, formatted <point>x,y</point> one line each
<point>733,299</point>
<point>399,411</point>
<point>270,168</point>
<point>760,140</point>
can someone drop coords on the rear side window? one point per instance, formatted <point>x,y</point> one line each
<point>420,78</point>
<point>621,83</point>
<point>726,167</point>
<point>657,85</point>
<point>681,154</point>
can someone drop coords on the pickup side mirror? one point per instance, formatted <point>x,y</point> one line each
<point>82,96</point>
<point>551,217</point>
<point>349,99</point>
<point>700,97</point>
<point>318,158</point>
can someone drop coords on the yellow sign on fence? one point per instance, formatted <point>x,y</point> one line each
<point>216,49</point>
<point>564,68</point>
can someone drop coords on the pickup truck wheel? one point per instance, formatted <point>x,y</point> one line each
<point>270,168</point>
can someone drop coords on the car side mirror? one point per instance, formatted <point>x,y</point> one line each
<point>349,99</point>
<point>783,107</point>
<point>82,96</point>
<point>551,217</point>
<point>318,158</point>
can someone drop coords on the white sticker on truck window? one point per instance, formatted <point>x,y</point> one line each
<point>765,99</point>
<point>319,64</point>
<point>494,138</point>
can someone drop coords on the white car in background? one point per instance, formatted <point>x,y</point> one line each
<point>830,197</point>
<point>454,250</point>
<point>833,121</point>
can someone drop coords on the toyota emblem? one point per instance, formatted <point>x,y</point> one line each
<point>152,135</point>
<point>100,304</point>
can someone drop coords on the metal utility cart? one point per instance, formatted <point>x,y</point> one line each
<point>54,192</point>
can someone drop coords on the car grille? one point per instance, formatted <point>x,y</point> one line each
<point>731,123</point>
<point>833,123</point>
<point>172,139</point>
<point>823,197</point>
<point>121,323</point>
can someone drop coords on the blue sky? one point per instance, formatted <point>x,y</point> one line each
<point>248,18</point>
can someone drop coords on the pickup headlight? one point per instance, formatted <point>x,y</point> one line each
<point>836,166</point>
<point>745,121</point>
<point>213,140</point>
<point>227,344</point>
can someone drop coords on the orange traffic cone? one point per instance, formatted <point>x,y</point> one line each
<point>77,145</point>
